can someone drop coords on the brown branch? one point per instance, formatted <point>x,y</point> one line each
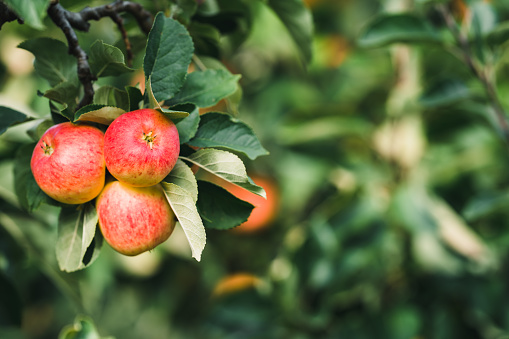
<point>7,15</point>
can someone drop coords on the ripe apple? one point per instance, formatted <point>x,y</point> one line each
<point>134,219</point>
<point>68,162</point>
<point>141,147</point>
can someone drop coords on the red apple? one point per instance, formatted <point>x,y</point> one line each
<point>134,219</point>
<point>141,147</point>
<point>68,162</point>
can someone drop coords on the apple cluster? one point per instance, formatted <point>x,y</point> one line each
<point>139,149</point>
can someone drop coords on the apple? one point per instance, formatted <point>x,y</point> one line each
<point>68,162</point>
<point>141,147</point>
<point>134,219</point>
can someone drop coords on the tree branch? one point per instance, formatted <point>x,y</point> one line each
<point>479,73</point>
<point>7,15</point>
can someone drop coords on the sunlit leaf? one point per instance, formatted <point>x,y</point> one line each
<point>98,113</point>
<point>32,12</point>
<point>106,60</point>
<point>181,175</point>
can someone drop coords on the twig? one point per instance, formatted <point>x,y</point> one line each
<point>7,15</point>
<point>489,87</point>
<point>120,24</point>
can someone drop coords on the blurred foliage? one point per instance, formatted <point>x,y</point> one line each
<point>391,172</point>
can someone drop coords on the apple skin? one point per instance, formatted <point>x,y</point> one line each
<point>134,219</point>
<point>141,147</point>
<point>68,162</point>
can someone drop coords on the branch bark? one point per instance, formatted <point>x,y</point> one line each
<point>7,15</point>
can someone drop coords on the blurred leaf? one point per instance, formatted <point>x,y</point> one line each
<point>188,126</point>
<point>220,209</point>
<point>184,207</point>
<point>98,113</point>
<point>83,328</point>
<point>52,60</point>
<point>10,303</point>
<point>225,165</point>
<point>112,96</point>
<point>299,22</point>
<point>485,205</point>
<point>106,60</point>
<point>444,92</point>
<point>387,29</point>
<point>206,39</point>
<point>76,231</point>
<point>32,12</point>
<point>182,176</point>
<point>38,129</point>
<point>168,55</point>
<point>499,35</point>
<point>184,10</point>
<point>224,131</point>
<point>206,88</point>
<point>8,117</point>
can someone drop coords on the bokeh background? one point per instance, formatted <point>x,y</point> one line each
<point>387,213</point>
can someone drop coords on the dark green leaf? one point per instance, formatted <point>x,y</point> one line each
<point>10,303</point>
<point>76,231</point>
<point>135,97</point>
<point>444,92</point>
<point>32,12</point>
<point>206,39</point>
<point>98,113</point>
<point>392,28</point>
<point>168,55</point>
<point>38,130</point>
<point>52,60</point>
<point>222,130</point>
<point>65,93</point>
<point>106,60</point>
<point>60,114</point>
<point>8,117</point>
<point>206,88</point>
<point>183,10</point>
<point>112,96</point>
<point>499,35</point>
<point>219,208</point>
<point>298,20</point>
<point>188,126</point>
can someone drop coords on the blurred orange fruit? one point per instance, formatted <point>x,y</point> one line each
<point>234,283</point>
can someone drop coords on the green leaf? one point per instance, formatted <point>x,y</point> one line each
<point>9,117</point>
<point>52,60</point>
<point>393,28</point>
<point>206,38</point>
<point>498,36</point>
<point>485,205</point>
<point>168,55</point>
<point>225,165</point>
<point>98,113</point>
<point>30,196</point>
<point>181,175</point>
<point>298,20</point>
<point>206,88</point>
<point>188,126</point>
<point>106,60</point>
<point>135,96</point>
<point>10,303</point>
<point>112,96</point>
<point>185,210</point>
<point>60,113</point>
<point>220,209</point>
<point>76,231</point>
<point>222,130</point>
<point>32,12</point>
<point>174,115</point>
<point>36,131</point>
<point>183,10</point>
<point>83,328</point>
<point>65,93</point>
<point>445,92</point>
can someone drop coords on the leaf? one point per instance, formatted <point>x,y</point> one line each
<point>222,130</point>
<point>135,96</point>
<point>225,165</point>
<point>207,88</point>
<point>298,20</point>
<point>485,205</point>
<point>112,96</point>
<point>174,115</point>
<point>498,36</point>
<point>220,209</point>
<point>98,113</point>
<point>392,28</point>
<point>36,131</point>
<point>188,126</point>
<point>181,175</point>
<point>31,11</point>
<point>52,60</point>
<point>184,10</point>
<point>9,117</point>
<point>445,92</point>
<point>83,328</point>
<point>10,303</point>
<point>153,103</point>
<point>206,39</point>
<point>76,231</point>
<point>65,93</point>
<point>185,210</point>
<point>30,196</point>
<point>106,60</point>
<point>168,55</point>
